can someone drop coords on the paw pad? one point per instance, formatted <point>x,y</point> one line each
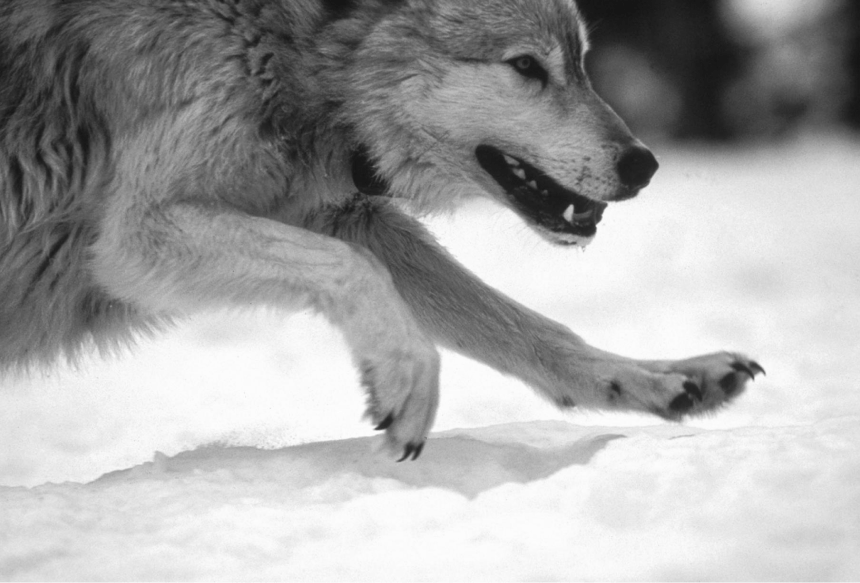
<point>693,390</point>
<point>681,404</point>
<point>686,400</point>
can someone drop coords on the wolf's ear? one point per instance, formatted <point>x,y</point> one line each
<point>364,174</point>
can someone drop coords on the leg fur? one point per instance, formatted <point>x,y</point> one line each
<point>464,314</point>
<point>188,257</point>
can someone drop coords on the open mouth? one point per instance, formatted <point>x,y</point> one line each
<point>567,216</point>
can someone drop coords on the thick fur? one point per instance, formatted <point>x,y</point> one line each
<point>159,157</point>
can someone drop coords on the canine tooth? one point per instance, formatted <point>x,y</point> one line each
<point>521,174</point>
<point>568,214</point>
<point>511,161</point>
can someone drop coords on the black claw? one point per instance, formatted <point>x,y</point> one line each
<point>681,404</point>
<point>751,369</point>
<point>385,423</point>
<point>411,450</point>
<point>418,451</point>
<point>741,367</point>
<point>693,389</point>
<point>757,368</point>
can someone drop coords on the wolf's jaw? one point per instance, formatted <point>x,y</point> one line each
<point>563,215</point>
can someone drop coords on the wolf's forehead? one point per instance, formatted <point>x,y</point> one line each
<point>490,29</point>
<point>570,34</point>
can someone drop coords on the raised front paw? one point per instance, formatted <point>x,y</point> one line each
<point>402,397</point>
<point>708,382</point>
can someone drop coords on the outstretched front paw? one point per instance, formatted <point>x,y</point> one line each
<point>672,389</point>
<point>709,382</point>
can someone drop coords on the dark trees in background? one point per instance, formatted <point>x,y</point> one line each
<point>852,110</point>
<point>672,57</point>
<point>694,69</point>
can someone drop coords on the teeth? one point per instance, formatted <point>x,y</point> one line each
<point>521,174</point>
<point>511,161</point>
<point>532,184</point>
<point>571,216</point>
<point>568,214</point>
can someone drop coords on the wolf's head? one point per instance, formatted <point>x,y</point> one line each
<point>454,97</point>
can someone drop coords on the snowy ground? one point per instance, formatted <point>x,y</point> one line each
<point>248,458</point>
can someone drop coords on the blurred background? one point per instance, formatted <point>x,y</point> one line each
<point>723,70</point>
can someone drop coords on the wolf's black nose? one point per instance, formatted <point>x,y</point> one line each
<point>636,167</point>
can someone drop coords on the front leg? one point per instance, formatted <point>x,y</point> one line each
<point>188,256</point>
<point>462,313</point>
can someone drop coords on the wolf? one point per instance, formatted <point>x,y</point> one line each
<point>161,157</point>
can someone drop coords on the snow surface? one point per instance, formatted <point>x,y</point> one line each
<point>248,459</point>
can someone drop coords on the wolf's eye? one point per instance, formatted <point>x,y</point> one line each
<point>528,67</point>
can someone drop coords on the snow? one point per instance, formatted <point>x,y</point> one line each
<point>233,447</point>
